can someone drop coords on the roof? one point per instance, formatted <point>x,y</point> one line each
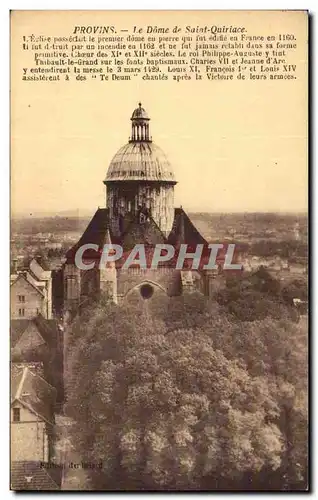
<point>95,233</point>
<point>17,327</point>
<point>39,259</point>
<point>140,161</point>
<point>147,233</point>
<point>31,475</point>
<point>98,233</point>
<point>33,279</point>
<point>25,276</point>
<point>42,262</point>
<point>183,231</point>
<point>40,268</point>
<point>36,366</point>
<point>140,113</point>
<point>33,392</point>
<point>48,329</point>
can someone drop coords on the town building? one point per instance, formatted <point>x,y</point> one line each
<point>31,291</point>
<point>37,343</point>
<point>32,417</point>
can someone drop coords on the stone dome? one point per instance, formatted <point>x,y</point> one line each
<point>140,161</point>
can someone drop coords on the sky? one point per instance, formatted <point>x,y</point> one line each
<point>234,146</point>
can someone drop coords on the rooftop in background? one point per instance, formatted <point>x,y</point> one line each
<point>31,476</point>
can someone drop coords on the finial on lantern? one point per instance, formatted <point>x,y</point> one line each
<point>140,125</point>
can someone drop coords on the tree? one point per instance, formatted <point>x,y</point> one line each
<point>255,298</point>
<point>276,350</point>
<point>172,394</point>
<point>296,289</point>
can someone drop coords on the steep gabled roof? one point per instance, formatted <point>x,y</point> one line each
<point>132,232</point>
<point>95,233</point>
<point>147,233</point>
<point>24,276</point>
<point>31,475</point>
<point>17,328</point>
<point>35,366</point>
<point>183,231</point>
<point>42,262</point>
<point>33,392</point>
<point>47,328</point>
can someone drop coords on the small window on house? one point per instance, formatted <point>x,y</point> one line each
<point>21,298</point>
<point>16,414</point>
<point>21,312</point>
<point>37,311</point>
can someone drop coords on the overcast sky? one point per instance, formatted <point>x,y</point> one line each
<point>234,146</point>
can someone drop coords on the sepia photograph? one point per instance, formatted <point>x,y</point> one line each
<point>159,251</point>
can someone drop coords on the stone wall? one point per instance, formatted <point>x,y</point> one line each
<point>165,279</point>
<point>158,198</point>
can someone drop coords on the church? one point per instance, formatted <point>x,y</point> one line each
<point>139,209</point>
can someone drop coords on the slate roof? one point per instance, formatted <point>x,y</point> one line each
<point>17,327</point>
<point>40,259</point>
<point>33,392</point>
<point>43,262</point>
<point>24,275</point>
<point>95,233</point>
<point>31,476</point>
<point>36,366</point>
<point>183,231</point>
<point>98,232</point>
<point>147,233</point>
<point>47,328</point>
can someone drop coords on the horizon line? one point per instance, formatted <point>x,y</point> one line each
<point>86,212</point>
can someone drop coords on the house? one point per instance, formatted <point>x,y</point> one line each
<point>32,417</point>
<point>27,300</point>
<point>35,475</point>
<point>31,291</point>
<point>39,340</point>
<point>32,335</point>
<point>36,367</point>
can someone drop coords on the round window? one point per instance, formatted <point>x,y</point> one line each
<point>146,291</point>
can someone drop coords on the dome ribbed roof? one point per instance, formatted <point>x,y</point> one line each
<point>140,161</point>
<point>140,113</point>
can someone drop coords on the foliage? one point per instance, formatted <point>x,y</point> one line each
<point>171,394</point>
<point>296,289</point>
<point>256,297</point>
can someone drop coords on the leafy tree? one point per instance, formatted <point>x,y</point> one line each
<point>256,297</point>
<point>296,289</point>
<point>172,394</point>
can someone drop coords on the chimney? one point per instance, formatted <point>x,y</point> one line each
<point>14,265</point>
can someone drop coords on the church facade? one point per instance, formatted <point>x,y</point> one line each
<point>139,209</point>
